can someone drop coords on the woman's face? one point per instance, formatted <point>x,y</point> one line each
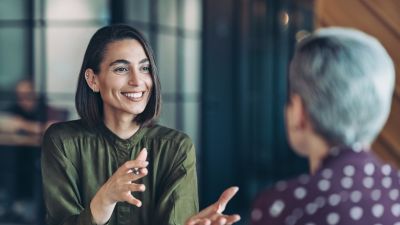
<point>124,81</point>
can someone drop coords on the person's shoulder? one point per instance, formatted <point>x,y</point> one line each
<point>276,202</point>
<point>67,129</point>
<point>282,188</point>
<point>165,133</point>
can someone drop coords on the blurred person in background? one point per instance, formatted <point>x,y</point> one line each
<point>27,115</point>
<point>115,165</point>
<point>21,128</point>
<point>341,83</point>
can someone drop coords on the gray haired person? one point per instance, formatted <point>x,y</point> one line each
<point>341,83</point>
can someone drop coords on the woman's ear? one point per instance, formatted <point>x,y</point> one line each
<point>91,80</point>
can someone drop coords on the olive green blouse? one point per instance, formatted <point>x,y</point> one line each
<point>77,160</point>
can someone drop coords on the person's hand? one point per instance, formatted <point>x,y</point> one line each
<point>212,215</point>
<point>119,188</point>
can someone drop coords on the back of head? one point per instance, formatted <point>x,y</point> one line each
<point>346,81</point>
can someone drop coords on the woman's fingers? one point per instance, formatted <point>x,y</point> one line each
<point>130,176</point>
<point>212,215</point>
<point>142,155</point>
<point>137,164</point>
<point>220,219</point>
<point>133,201</point>
<point>136,187</point>
<point>220,205</point>
<point>231,219</point>
<point>226,196</point>
<point>199,222</point>
<point>129,165</point>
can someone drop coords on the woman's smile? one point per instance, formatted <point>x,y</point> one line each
<point>134,96</point>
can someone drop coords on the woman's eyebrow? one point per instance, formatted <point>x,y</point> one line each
<point>120,61</point>
<point>145,60</point>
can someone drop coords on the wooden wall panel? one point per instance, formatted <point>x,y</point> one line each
<point>382,20</point>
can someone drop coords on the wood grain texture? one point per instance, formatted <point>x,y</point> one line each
<point>382,20</point>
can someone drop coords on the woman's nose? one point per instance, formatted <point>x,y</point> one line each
<point>134,78</point>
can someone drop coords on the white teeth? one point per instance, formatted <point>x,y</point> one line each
<point>137,95</point>
<point>134,95</point>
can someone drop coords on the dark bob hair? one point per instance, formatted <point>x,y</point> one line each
<point>88,103</point>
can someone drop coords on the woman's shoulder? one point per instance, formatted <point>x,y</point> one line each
<point>165,133</point>
<point>67,129</point>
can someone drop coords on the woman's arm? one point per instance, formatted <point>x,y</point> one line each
<point>118,188</point>
<point>62,192</point>
<point>61,186</point>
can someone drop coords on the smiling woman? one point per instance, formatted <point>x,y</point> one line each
<point>115,165</point>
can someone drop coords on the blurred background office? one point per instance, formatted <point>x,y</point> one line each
<point>223,66</point>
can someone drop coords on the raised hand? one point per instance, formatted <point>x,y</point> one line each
<point>212,215</point>
<point>119,188</point>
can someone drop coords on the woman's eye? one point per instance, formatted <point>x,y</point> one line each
<point>146,69</point>
<point>120,69</point>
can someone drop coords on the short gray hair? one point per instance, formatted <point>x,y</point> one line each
<point>346,81</point>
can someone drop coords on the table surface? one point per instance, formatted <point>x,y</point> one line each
<point>10,139</point>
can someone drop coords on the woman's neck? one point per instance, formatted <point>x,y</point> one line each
<point>123,127</point>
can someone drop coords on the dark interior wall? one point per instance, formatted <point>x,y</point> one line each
<point>246,50</point>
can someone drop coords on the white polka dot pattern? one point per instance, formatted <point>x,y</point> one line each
<point>386,169</point>
<point>324,185</point>
<point>377,210</point>
<point>368,182</point>
<point>256,214</point>
<point>300,193</point>
<point>394,194</point>
<point>356,213</point>
<point>355,196</point>
<point>290,220</point>
<point>327,173</point>
<point>349,170</point>
<point>334,199</point>
<point>333,218</point>
<point>396,210</point>
<point>362,193</point>
<point>387,182</point>
<point>311,208</point>
<point>369,169</point>
<point>281,185</point>
<point>346,182</point>
<point>376,194</point>
<point>276,208</point>
<point>304,179</point>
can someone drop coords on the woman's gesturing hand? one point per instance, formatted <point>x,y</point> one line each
<point>212,215</point>
<point>119,188</point>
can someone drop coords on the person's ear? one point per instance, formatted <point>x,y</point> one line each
<point>297,112</point>
<point>91,80</point>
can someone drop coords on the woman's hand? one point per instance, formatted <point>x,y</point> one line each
<point>212,215</point>
<point>119,188</point>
